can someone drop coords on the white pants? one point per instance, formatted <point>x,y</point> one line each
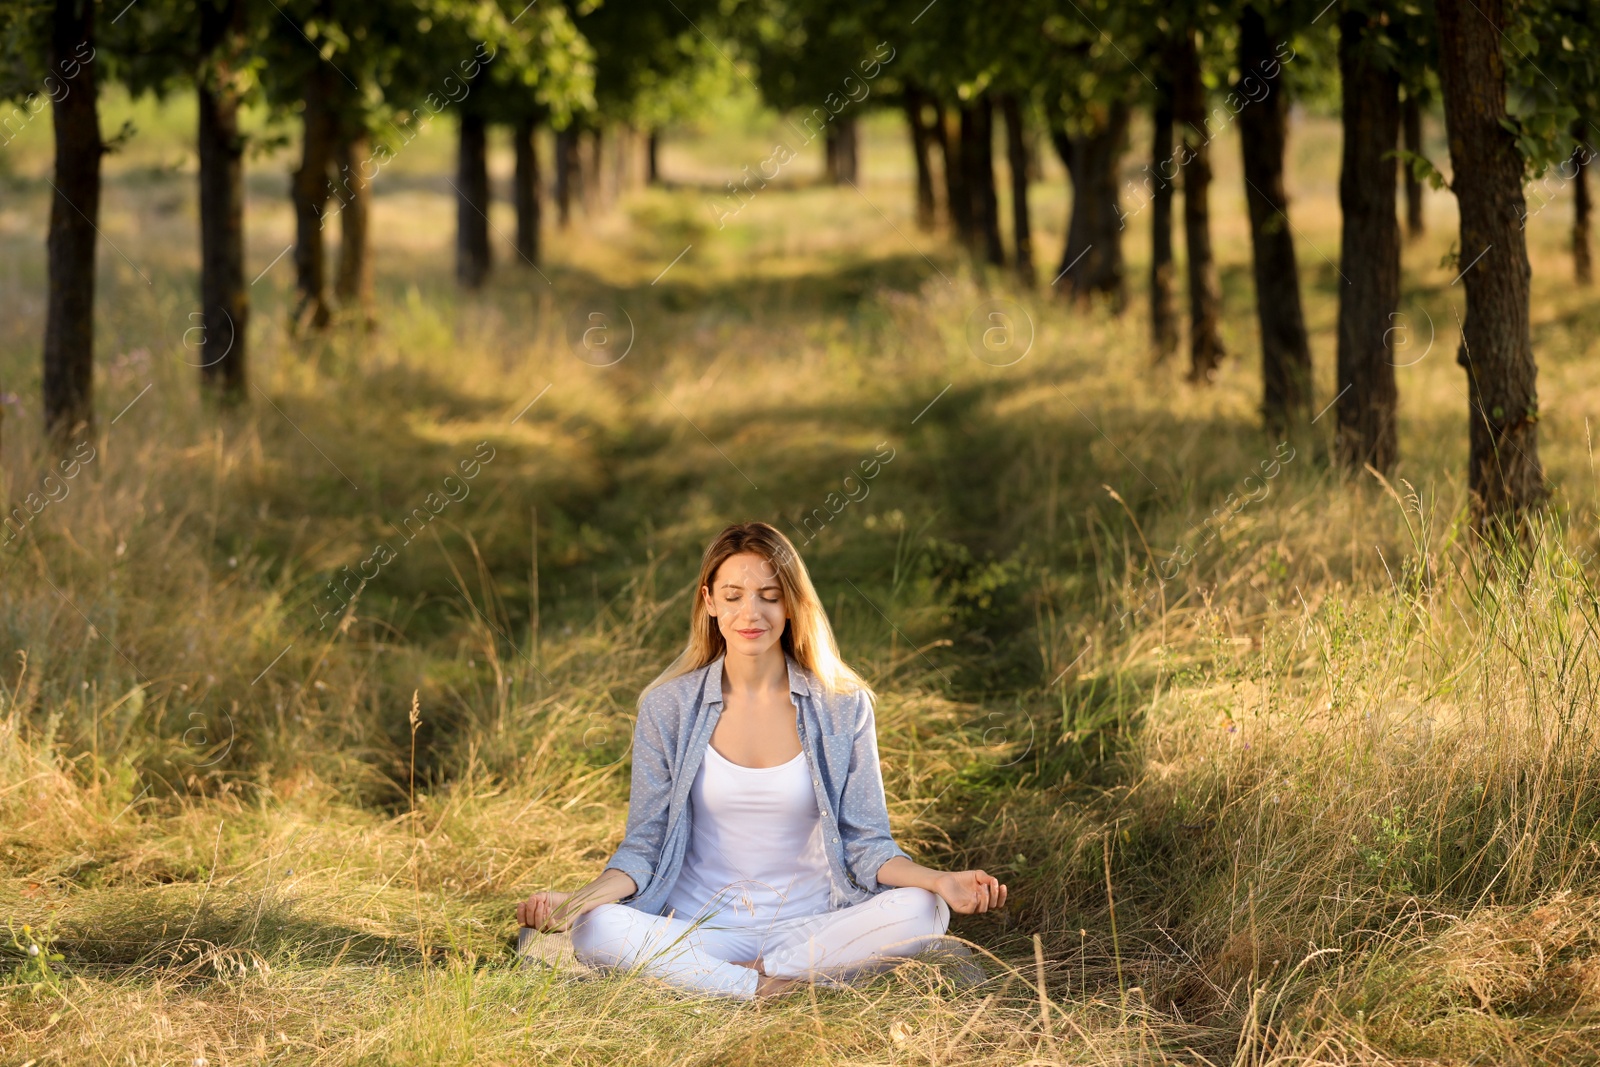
<point>826,948</point>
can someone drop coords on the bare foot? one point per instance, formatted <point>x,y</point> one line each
<point>771,987</point>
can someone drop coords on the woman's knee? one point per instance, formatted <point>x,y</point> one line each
<point>921,910</point>
<point>864,938</point>
<point>602,934</point>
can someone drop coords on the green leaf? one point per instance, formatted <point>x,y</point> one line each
<point>1422,168</point>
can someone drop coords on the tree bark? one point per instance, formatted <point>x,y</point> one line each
<point>1205,294</point>
<point>309,190</point>
<point>957,202</point>
<point>850,142</point>
<point>527,191</point>
<point>1031,143</point>
<point>977,152</point>
<point>353,285</point>
<point>1582,155</point>
<point>840,143</point>
<point>1017,164</point>
<point>1504,476</point>
<point>593,186</point>
<point>472,202</point>
<point>1091,260</point>
<point>1369,253</point>
<point>224,297</point>
<point>653,158</point>
<point>1163,313</point>
<point>566,165</point>
<point>1263,134</point>
<point>1411,124</point>
<point>622,142</point>
<point>74,211</point>
<point>921,148</point>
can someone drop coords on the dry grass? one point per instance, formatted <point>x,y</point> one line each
<point>1328,797</point>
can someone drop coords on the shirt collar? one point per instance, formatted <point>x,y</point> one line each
<point>799,680</point>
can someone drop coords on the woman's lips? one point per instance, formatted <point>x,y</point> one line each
<point>752,634</point>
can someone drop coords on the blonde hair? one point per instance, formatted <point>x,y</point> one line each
<point>807,636</point>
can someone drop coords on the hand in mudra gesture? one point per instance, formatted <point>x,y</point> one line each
<point>548,911</point>
<point>968,892</point>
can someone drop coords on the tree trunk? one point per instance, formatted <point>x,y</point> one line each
<point>527,191</point>
<point>958,204</point>
<point>1017,158</point>
<point>1163,313</point>
<point>1034,169</point>
<point>977,153</point>
<point>224,297</point>
<point>309,189</point>
<point>1091,260</point>
<point>1205,295</point>
<point>1263,133</point>
<point>1504,476</point>
<point>566,165</point>
<point>849,149</point>
<point>581,170</point>
<point>354,283</point>
<point>69,314</point>
<point>618,170</point>
<point>653,158</point>
<point>621,153</point>
<point>1369,253</point>
<point>1411,125</point>
<point>472,202</point>
<point>1582,154</point>
<point>594,194</point>
<point>921,149</point>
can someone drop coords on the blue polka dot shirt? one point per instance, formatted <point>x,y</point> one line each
<point>838,733</point>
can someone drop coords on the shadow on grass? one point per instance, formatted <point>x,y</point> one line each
<point>152,934</point>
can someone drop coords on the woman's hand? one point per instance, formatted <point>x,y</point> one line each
<point>968,892</point>
<point>549,911</point>
<point>965,891</point>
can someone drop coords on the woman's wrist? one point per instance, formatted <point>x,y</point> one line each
<point>901,872</point>
<point>610,886</point>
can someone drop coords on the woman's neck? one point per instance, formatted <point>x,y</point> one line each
<point>755,675</point>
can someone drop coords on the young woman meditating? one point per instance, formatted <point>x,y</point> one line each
<point>757,853</point>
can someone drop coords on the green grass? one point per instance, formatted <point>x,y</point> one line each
<point>1327,796</point>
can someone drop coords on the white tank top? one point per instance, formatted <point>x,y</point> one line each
<point>755,849</point>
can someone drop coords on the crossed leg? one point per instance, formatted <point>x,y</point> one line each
<point>864,938</point>
<point>694,955</point>
<point>828,947</point>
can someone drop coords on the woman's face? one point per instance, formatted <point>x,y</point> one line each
<point>747,603</point>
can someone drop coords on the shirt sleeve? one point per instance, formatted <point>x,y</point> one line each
<point>863,812</point>
<point>649,799</point>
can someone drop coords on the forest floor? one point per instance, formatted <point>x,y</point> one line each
<point>1326,796</point>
